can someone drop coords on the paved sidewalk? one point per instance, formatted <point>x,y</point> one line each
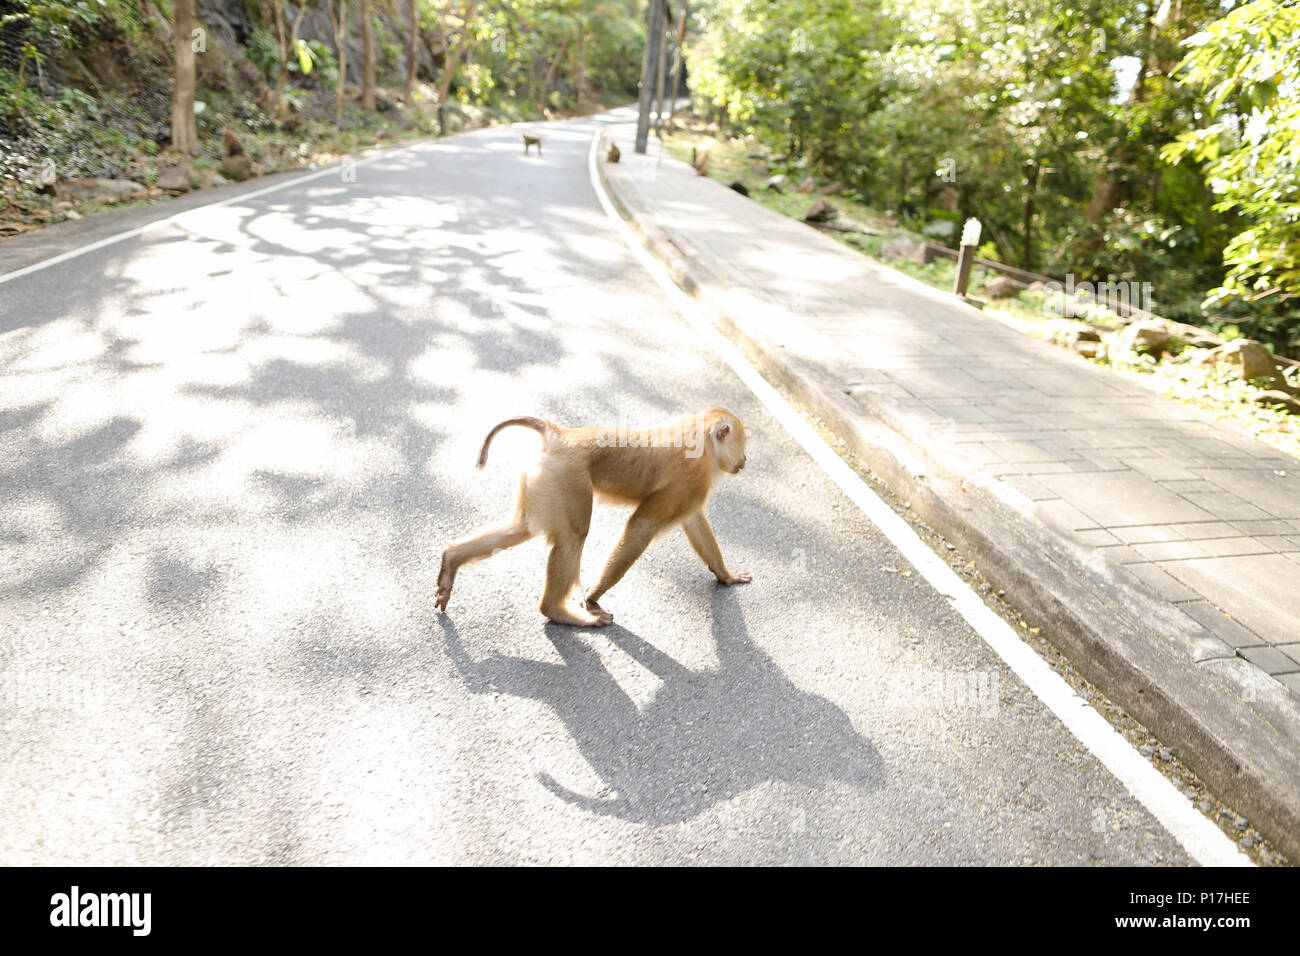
<point>1159,548</point>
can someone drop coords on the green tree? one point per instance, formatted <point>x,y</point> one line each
<point>1248,65</point>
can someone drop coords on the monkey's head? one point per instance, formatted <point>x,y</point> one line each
<point>727,436</point>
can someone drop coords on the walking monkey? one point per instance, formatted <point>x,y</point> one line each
<point>666,471</point>
<point>530,141</point>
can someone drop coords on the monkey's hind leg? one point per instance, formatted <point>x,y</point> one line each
<point>481,545</point>
<point>561,578</point>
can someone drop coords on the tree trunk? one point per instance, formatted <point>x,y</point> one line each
<point>450,61</point>
<point>367,59</point>
<point>288,47</point>
<point>549,76</point>
<point>185,133</point>
<point>581,69</point>
<point>412,52</point>
<point>282,75</point>
<point>679,62</point>
<point>660,74</point>
<point>341,44</point>
<point>1031,188</point>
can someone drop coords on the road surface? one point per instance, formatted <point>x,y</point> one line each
<point>231,450</point>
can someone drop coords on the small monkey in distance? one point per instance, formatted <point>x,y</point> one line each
<point>530,141</point>
<point>666,471</point>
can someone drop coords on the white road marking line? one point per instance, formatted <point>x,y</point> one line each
<point>174,219</point>
<point>1202,840</point>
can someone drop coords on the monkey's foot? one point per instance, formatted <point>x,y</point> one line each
<point>564,615</point>
<point>731,579</point>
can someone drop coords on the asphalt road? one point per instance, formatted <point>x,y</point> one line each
<point>231,451</point>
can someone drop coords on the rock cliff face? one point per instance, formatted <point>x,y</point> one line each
<point>106,61</point>
<point>232,22</point>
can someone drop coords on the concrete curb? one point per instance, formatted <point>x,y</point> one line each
<point>1249,756</point>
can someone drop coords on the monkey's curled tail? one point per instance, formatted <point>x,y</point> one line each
<point>539,425</point>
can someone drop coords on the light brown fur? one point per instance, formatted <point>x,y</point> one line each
<point>666,471</point>
<point>532,141</point>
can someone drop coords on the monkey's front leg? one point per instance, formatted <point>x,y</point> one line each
<point>700,534</point>
<point>638,534</point>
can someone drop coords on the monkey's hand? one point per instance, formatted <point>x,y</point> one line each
<point>729,579</point>
<point>446,577</point>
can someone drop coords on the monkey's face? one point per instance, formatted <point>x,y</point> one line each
<point>729,442</point>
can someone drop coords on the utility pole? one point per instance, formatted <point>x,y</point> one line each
<point>654,39</point>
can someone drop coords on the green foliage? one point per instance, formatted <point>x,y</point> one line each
<point>263,52</point>
<point>1248,65</point>
<point>476,83</point>
<point>1047,122</point>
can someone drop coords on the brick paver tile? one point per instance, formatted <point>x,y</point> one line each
<point>1276,495</point>
<point>1225,506</point>
<point>1170,550</point>
<point>1161,469</point>
<point>1270,659</point>
<point>1220,625</point>
<point>1150,533</point>
<point>1123,498</point>
<point>1261,591</point>
<point>1159,581</point>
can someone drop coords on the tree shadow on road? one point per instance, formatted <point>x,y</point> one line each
<point>707,736</point>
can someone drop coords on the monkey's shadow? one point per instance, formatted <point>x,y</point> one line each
<point>708,734</point>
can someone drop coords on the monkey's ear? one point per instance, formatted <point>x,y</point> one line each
<point>722,431</point>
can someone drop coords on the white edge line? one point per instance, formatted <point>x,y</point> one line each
<point>1202,840</point>
<point>175,217</point>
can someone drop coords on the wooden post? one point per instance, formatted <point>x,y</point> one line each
<point>970,240</point>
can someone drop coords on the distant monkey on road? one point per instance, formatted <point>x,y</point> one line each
<point>530,141</point>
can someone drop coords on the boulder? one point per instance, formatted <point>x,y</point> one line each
<point>819,211</point>
<point>1245,359</point>
<point>1275,396</point>
<point>806,186</point>
<point>1069,331</point>
<point>899,248</point>
<point>1002,287</point>
<point>939,229</point>
<point>97,189</point>
<point>237,168</point>
<point>832,189</point>
<point>175,178</point>
<point>739,187</point>
<point>1078,336</point>
<point>1140,338</point>
<point>775,182</point>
